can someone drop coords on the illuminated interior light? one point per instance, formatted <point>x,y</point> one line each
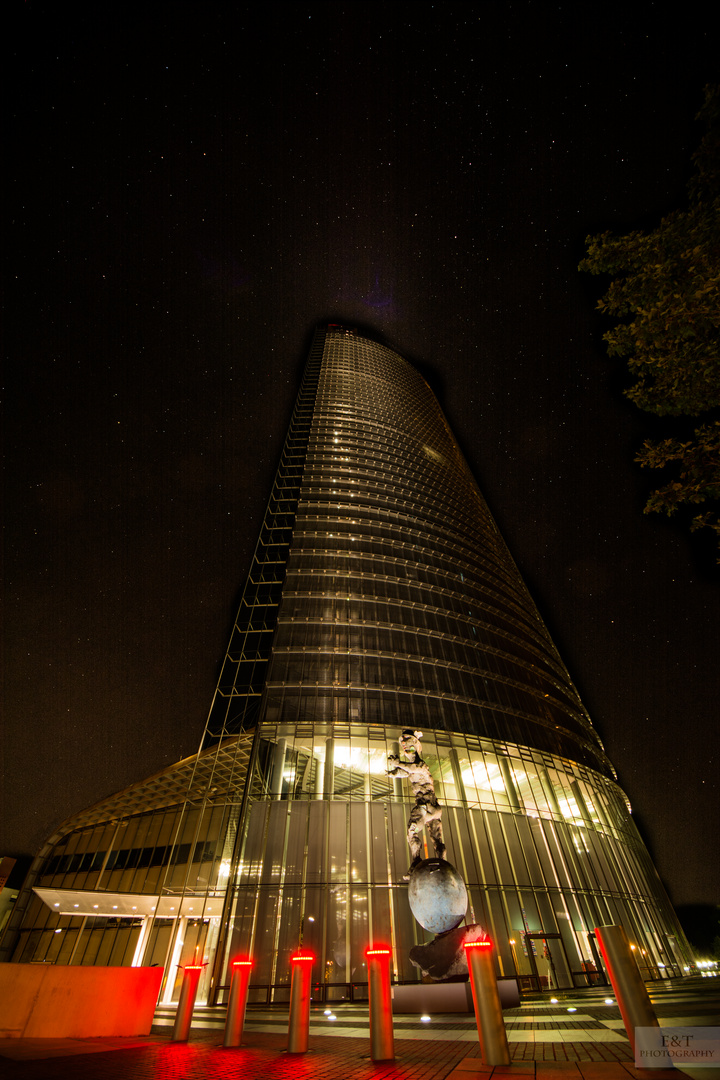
<point>609,1001</point>
<point>489,777</point>
<point>242,963</point>
<point>59,931</point>
<point>377,952</point>
<point>572,1010</point>
<point>553,1001</point>
<point>485,944</point>
<point>296,959</point>
<point>425,1019</point>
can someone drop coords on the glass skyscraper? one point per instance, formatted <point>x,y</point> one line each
<point>381,596</point>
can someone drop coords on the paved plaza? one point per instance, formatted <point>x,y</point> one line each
<point>578,1036</point>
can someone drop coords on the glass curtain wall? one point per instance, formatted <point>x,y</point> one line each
<point>547,848</point>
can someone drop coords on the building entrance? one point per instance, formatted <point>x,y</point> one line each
<point>549,961</point>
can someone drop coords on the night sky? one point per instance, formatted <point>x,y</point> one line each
<point>192,190</point>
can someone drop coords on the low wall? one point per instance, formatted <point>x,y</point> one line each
<point>42,1001</point>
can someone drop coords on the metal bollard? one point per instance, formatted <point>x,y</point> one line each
<point>239,984</point>
<point>186,1004</point>
<point>299,1023</point>
<point>488,1011</point>
<point>382,1047</point>
<point>632,997</point>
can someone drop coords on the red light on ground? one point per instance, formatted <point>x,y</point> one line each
<point>486,944</point>
<point>377,952</point>
<point>295,958</point>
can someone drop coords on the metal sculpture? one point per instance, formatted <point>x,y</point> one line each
<point>427,812</point>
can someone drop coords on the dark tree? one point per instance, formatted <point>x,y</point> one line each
<point>665,295</point>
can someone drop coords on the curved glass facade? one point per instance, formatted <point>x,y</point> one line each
<point>380,596</point>
<point>401,604</point>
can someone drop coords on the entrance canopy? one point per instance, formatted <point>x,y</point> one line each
<point>127,905</point>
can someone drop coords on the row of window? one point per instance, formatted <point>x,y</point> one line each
<point>323,662</point>
<point>308,596</point>
<point>339,567</point>
<point>422,632</point>
<point>409,479</point>
<point>137,858</point>
<point>390,707</point>
<point>378,645</point>
<point>385,538</point>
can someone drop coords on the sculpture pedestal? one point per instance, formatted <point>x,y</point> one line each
<point>444,957</point>
<point>447,997</point>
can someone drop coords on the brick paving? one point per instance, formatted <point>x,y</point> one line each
<point>451,1053</point>
<point>263,1057</point>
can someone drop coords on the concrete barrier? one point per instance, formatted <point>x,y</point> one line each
<point>44,1001</point>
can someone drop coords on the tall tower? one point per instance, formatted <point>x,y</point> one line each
<point>380,597</point>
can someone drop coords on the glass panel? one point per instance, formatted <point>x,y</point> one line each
<point>297,836</point>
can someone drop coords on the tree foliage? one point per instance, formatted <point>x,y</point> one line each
<point>665,295</point>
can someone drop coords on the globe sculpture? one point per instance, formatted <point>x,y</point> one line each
<point>437,895</point>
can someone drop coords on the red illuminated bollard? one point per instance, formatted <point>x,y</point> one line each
<point>241,971</point>
<point>488,1011</point>
<point>299,1024</point>
<point>382,1047</point>
<point>186,1004</point>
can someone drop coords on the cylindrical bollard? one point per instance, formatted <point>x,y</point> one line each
<point>488,1011</point>
<point>299,1023</point>
<point>382,1047</point>
<point>235,1019</point>
<point>621,966</point>
<point>186,1004</point>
